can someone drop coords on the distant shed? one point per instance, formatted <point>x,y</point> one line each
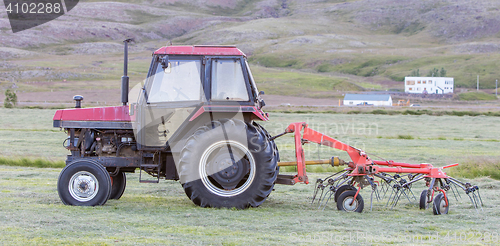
<point>367,99</point>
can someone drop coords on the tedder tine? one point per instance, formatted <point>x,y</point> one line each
<point>319,185</point>
<point>480,199</point>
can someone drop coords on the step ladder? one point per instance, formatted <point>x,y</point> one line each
<point>147,164</point>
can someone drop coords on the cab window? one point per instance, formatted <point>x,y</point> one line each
<point>228,82</point>
<point>180,81</point>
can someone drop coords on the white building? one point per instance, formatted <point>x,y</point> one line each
<point>367,100</point>
<point>430,85</point>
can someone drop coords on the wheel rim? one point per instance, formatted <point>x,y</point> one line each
<point>83,186</point>
<point>227,168</point>
<point>442,206</point>
<point>348,206</point>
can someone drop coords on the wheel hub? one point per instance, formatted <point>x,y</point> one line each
<point>350,204</point>
<point>227,168</point>
<point>83,186</point>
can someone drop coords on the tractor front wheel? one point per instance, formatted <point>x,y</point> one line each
<point>228,163</point>
<point>84,183</point>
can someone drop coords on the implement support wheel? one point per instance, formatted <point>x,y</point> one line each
<point>346,202</point>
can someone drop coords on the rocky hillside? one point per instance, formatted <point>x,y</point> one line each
<point>364,44</point>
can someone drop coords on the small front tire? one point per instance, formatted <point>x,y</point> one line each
<point>439,206</point>
<point>346,202</point>
<point>84,183</point>
<point>343,189</point>
<point>424,199</point>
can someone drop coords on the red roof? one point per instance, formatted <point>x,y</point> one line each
<point>200,50</point>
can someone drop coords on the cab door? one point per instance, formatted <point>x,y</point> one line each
<point>173,90</point>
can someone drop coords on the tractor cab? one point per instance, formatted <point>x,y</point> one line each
<point>184,82</point>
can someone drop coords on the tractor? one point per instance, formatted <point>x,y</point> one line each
<point>195,120</point>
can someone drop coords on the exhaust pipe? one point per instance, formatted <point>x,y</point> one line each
<point>125,79</point>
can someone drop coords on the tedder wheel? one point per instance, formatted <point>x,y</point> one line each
<point>118,184</point>
<point>341,190</point>
<point>424,199</point>
<point>346,202</point>
<point>440,205</point>
<point>228,163</point>
<point>84,183</point>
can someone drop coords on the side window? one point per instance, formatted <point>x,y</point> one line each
<point>181,81</point>
<point>228,82</point>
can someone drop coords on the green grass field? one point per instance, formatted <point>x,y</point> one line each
<point>31,212</point>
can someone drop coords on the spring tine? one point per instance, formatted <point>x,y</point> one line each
<point>451,188</point>
<point>388,200</point>
<point>476,199</point>
<point>386,189</point>
<point>473,203</point>
<point>458,193</point>
<point>377,194</point>
<point>414,198</point>
<point>480,199</point>
<point>407,197</point>
<point>396,199</point>
<point>371,200</point>
<point>330,197</point>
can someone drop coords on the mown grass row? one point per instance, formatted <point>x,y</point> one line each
<point>26,162</point>
<point>471,168</point>
<point>396,112</point>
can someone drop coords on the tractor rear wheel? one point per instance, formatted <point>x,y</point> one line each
<point>84,183</point>
<point>228,163</point>
<point>118,184</point>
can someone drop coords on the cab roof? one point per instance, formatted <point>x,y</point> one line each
<point>200,50</point>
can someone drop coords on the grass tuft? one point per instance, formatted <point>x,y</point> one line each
<point>405,137</point>
<point>475,96</point>
<point>25,162</point>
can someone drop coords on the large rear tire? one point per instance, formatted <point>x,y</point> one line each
<point>228,163</point>
<point>84,183</point>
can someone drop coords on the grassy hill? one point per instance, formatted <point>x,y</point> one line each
<point>310,48</point>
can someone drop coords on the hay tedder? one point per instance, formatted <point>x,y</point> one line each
<point>195,120</point>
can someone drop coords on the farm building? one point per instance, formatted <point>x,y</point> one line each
<point>367,100</point>
<point>429,85</point>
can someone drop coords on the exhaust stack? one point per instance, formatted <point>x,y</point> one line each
<point>125,79</point>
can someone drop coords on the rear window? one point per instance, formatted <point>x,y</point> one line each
<point>228,82</point>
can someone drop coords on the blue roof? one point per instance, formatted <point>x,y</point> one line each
<point>367,97</point>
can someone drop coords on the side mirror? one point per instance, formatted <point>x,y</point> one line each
<point>262,93</point>
<point>164,62</point>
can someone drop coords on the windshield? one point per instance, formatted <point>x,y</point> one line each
<point>180,81</point>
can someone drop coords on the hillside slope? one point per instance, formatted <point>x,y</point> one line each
<point>339,45</point>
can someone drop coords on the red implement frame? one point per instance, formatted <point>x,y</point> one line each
<point>361,164</point>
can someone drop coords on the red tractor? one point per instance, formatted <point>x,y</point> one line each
<point>195,120</point>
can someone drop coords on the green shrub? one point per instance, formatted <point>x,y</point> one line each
<point>10,100</point>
